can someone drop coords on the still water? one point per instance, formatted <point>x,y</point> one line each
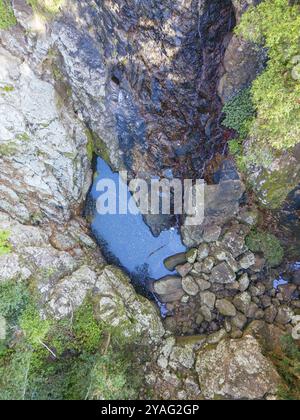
<point>128,240</point>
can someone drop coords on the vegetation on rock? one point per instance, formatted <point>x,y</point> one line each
<point>276,92</point>
<point>268,244</point>
<point>7,17</point>
<point>5,246</point>
<point>46,7</point>
<point>70,359</point>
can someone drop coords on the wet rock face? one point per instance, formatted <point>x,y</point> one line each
<point>144,77</point>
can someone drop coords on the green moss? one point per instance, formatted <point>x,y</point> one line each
<point>268,244</point>
<point>47,8</point>
<point>275,93</point>
<point>7,88</point>
<point>5,247</point>
<point>14,298</point>
<point>7,17</point>
<point>34,328</point>
<point>239,113</point>
<point>8,149</point>
<point>287,363</point>
<point>23,137</point>
<point>87,331</point>
<point>90,145</point>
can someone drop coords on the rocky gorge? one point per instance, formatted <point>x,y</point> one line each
<point>142,85</point>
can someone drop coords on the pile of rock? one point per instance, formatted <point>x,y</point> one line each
<point>222,285</point>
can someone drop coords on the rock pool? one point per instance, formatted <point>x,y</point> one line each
<point>128,240</point>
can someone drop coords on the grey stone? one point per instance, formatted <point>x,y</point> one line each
<point>247,260</point>
<point>242,302</point>
<point>239,321</point>
<point>216,337</point>
<point>203,284</point>
<point>208,299</point>
<point>190,286</point>
<point>244,282</point>
<point>172,262</point>
<point>191,255</point>
<point>207,265</point>
<point>211,233</point>
<point>235,243</point>
<point>203,252</point>
<point>284,315</point>
<point>206,312</point>
<point>222,274</point>
<point>169,289</point>
<point>184,270</point>
<point>225,308</point>
<point>236,369</point>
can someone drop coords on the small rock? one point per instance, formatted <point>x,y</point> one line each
<point>203,284</point>
<point>244,282</point>
<point>249,217</point>
<point>271,314</point>
<point>236,334</point>
<point>184,270</point>
<point>247,260</point>
<point>208,299</point>
<point>227,325</point>
<point>266,301</point>
<point>216,337</point>
<point>233,286</point>
<point>226,308</point>
<point>191,255</point>
<point>235,243</point>
<point>190,286</point>
<point>185,299</point>
<point>222,274</point>
<point>205,311</point>
<point>211,233</point>
<point>252,310</point>
<point>259,314</point>
<point>207,265</point>
<point>197,268</point>
<point>169,289</point>
<point>239,321</point>
<point>172,262</point>
<point>257,290</point>
<point>199,319</point>
<point>284,316</point>
<point>242,302</point>
<point>287,291</point>
<point>203,252</point>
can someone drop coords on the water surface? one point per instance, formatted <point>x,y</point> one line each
<point>128,240</point>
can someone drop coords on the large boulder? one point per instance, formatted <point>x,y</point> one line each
<point>236,369</point>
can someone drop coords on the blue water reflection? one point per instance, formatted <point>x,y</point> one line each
<point>128,239</point>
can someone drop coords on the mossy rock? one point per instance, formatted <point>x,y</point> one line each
<point>267,244</point>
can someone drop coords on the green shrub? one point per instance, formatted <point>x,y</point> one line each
<point>288,366</point>
<point>268,244</point>
<point>239,113</point>
<point>46,7</point>
<point>34,328</point>
<point>5,247</point>
<point>7,17</point>
<point>86,329</point>
<point>14,298</point>
<point>275,93</point>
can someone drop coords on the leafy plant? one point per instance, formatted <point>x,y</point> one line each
<point>7,17</point>
<point>268,244</point>
<point>288,366</point>
<point>14,298</point>
<point>239,112</point>
<point>5,246</point>
<point>275,93</point>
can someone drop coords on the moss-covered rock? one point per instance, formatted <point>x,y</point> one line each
<point>267,244</point>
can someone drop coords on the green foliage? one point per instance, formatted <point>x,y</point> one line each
<point>34,328</point>
<point>7,17</point>
<point>268,244</point>
<point>86,329</point>
<point>14,298</point>
<point>275,93</point>
<point>288,366</point>
<point>46,7</point>
<point>74,359</point>
<point>5,247</point>
<point>239,113</point>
